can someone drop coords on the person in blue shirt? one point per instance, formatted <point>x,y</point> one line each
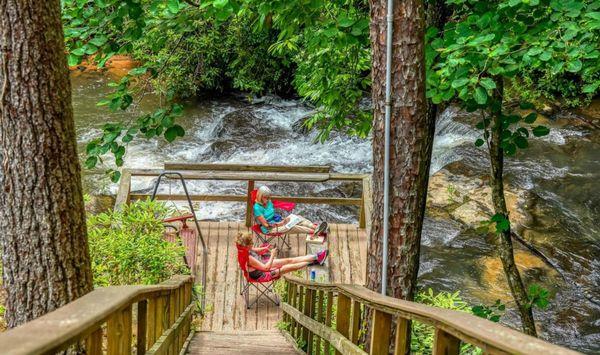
<point>270,222</point>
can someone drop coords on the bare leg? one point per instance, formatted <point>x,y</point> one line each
<point>292,267</point>
<point>298,259</point>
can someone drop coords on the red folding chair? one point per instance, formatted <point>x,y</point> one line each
<point>188,237</point>
<point>263,288</point>
<point>280,239</point>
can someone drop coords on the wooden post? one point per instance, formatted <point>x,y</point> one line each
<point>308,311</point>
<point>319,318</point>
<point>249,204</point>
<point>380,333</point>
<point>159,317</point>
<point>361,214</point>
<point>141,326</point>
<point>151,323</point>
<point>343,316</point>
<point>124,190</point>
<point>93,344</point>
<point>445,343</point>
<point>118,329</point>
<point>355,326</point>
<point>300,327</point>
<point>328,312</point>
<point>402,330</point>
<point>173,315</point>
<point>292,302</point>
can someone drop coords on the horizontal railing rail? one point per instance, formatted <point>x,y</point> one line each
<point>308,308</point>
<point>251,174</point>
<point>103,319</point>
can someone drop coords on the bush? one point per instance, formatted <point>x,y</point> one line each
<point>127,247</point>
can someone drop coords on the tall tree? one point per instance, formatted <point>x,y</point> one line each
<point>42,219</point>
<point>411,141</point>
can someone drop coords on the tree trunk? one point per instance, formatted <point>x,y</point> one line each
<point>505,246</point>
<point>42,218</point>
<point>411,141</point>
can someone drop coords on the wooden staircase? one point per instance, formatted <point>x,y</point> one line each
<point>240,342</point>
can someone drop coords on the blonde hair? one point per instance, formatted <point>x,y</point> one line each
<point>263,191</point>
<point>244,239</point>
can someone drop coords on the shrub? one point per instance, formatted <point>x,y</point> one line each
<point>127,247</point>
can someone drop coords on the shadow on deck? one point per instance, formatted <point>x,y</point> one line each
<point>225,306</point>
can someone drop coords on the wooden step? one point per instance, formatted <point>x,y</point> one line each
<point>240,342</point>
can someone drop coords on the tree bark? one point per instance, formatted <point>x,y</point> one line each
<point>505,246</point>
<point>42,218</point>
<point>412,131</point>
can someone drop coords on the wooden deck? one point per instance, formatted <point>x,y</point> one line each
<point>226,310</point>
<point>240,342</point>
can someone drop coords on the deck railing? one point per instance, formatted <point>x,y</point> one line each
<point>308,312</point>
<point>103,320</point>
<point>251,174</point>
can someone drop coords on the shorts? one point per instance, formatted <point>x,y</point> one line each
<point>261,276</point>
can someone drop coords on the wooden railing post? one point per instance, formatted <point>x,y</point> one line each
<point>93,344</point>
<point>118,329</point>
<point>142,320</point>
<point>380,333</point>
<point>151,323</point>
<point>319,318</point>
<point>300,327</point>
<point>401,344</point>
<point>445,343</point>
<point>292,302</point>
<point>355,324</point>
<point>249,204</point>
<point>308,311</point>
<point>342,320</point>
<point>328,313</point>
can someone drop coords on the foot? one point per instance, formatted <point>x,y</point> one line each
<point>321,228</point>
<point>321,256</point>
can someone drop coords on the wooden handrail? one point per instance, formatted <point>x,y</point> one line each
<point>248,167</point>
<point>251,174</point>
<point>161,308</point>
<point>451,327</point>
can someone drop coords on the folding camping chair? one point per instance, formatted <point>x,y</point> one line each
<point>262,287</point>
<point>269,237</point>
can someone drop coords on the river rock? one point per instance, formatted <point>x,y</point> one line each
<point>494,280</point>
<point>468,199</point>
<point>99,203</point>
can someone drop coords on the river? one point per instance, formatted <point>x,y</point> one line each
<point>556,180</point>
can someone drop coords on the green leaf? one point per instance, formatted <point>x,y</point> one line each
<point>99,41</point>
<point>488,83</point>
<point>480,96</point>
<point>530,118</point>
<point>73,60</point>
<point>460,82</point>
<point>171,133</point>
<point>91,161</point>
<point>590,88</point>
<point>479,142</point>
<point>346,21</point>
<point>219,4</point>
<point>574,66</point>
<point>502,223</point>
<point>545,56</point>
<point>173,6</point>
<point>540,131</point>
<point>521,142</point>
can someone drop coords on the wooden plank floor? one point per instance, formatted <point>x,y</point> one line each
<point>226,310</point>
<point>240,342</point>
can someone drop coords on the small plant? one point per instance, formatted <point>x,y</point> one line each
<point>127,247</point>
<point>451,194</point>
<point>538,296</point>
<point>492,313</point>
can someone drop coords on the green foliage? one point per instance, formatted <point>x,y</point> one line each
<point>422,335</point>
<point>538,296</point>
<point>127,247</point>
<point>492,313</point>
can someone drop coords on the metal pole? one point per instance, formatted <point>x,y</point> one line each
<point>386,155</point>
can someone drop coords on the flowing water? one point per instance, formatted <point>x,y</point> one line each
<point>559,174</point>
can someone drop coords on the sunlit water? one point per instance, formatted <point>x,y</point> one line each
<point>560,172</point>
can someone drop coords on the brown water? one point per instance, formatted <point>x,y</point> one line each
<point>560,174</point>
